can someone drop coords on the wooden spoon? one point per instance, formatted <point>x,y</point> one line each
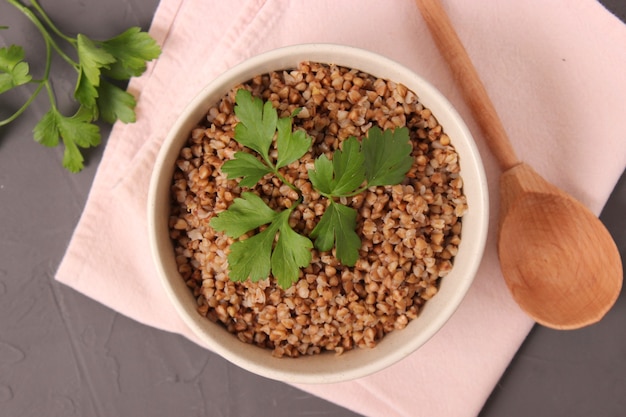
<point>558,260</point>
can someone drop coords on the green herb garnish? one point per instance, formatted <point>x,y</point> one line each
<point>258,124</point>
<point>381,158</point>
<point>256,256</point>
<point>100,66</point>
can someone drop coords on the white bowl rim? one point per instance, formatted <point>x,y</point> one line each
<point>359,362</point>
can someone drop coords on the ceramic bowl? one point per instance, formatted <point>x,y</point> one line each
<point>325,367</point>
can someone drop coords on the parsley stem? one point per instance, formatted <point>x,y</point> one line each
<point>24,106</point>
<point>42,29</point>
<point>332,196</point>
<point>280,176</point>
<point>46,76</point>
<point>50,24</point>
<point>287,183</point>
<point>44,82</point>
<point>357,191</point>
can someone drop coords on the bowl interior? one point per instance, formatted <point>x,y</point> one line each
<point>324,368</point>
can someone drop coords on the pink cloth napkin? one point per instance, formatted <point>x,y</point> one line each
<point>553,68</point>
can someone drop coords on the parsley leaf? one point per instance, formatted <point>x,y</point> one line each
<point>257,256</point>
<point>291,145</point>
<point>115,103</point>
<point>387,156</point>
<point>251,258</point>
<point>344,174</point>
<point>257,123</point>
<point>86,94</point>
<point>246,166</point>
<point>13,69</point>
<point>244,214</point>
<point>131,50</point>
<point>75,131</point>
<point>292,252</point>
<point>92,59</point>
<point>47,130</point>
<point>337,228</point>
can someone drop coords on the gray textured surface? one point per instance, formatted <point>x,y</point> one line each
<point>62,354</point>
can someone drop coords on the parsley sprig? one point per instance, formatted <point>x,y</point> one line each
<point>100,66</point>
<point>277,249</point>
<point>258,124</point>
<point>381,158</point>
<point>256,256</point>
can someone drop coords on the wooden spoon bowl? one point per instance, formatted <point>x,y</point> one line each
<point>561,264</point>
<point>558,260</point>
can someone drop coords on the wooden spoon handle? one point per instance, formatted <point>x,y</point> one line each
<point>467,77</point>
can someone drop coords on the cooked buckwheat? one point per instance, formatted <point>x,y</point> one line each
<point>410,232</point>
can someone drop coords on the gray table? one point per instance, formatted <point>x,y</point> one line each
<point>62,354</point>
